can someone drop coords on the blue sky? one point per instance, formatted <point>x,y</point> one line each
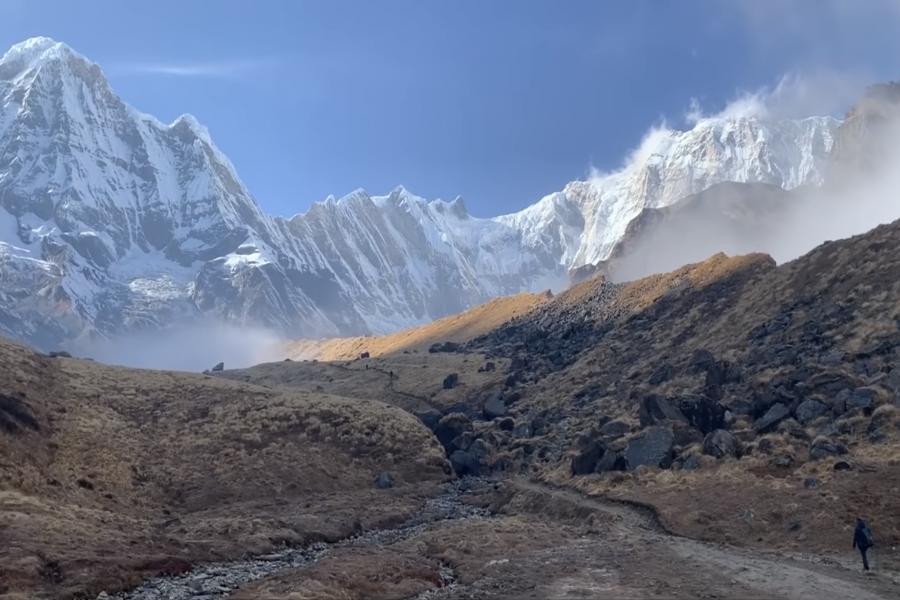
<point>499,101</point>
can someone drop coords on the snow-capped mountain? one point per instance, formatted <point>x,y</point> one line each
<point>112,221</point>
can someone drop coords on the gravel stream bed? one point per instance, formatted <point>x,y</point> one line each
<point>213,581</point>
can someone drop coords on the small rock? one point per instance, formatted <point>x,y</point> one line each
<point>494,407</point>
<point>384,481</point>
<point>721,443</point>
<point>776,413</point>
<point>59,354</point>
<point>615,429</point>
<point>842,465</point>
<point>810,483</point>
<point>450,381</point>
<point>810,409</point>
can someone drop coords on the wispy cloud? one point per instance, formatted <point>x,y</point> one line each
<point>225,69</point>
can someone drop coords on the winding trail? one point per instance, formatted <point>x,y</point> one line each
<point>630,556</point>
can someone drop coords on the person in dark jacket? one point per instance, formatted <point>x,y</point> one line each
<point>862,539</point>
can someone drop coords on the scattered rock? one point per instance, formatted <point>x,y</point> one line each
<point>771,418</point>
<point>508,424</point>
<point>863,398</point>
<point>465,463</point>
<point>429,416</point>
<point>823,447</point>
<point>721,443</point>
<point>656,410</point>
<point>810,409</point>
<point>384,481</point>
<point>615,429</point>
<point>451,427</point>
<point>494,407</point>
<point>661,374</point>
<point>585,459</point>
<point>652,447</point>
<point>444,347</point>
<point>450,381</point>
<point>702,412</point>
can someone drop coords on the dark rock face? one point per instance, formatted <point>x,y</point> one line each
<point>721,443</point>
<point>450,381</point>
<point>652,447</point>
<point>384,481</point>
<point>494,407</point>
<point>771,418</point>
<point>59,354</point>
<point>656,410</point>
<point>810,409</point>
<point>584,461</point>
<point>218,367</point>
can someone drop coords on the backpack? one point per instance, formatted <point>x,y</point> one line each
<point>867,537</point>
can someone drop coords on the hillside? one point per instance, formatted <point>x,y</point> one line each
<point>109,475</point>
<point>456,328</point>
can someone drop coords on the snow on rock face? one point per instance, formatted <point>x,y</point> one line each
<point>112,221</point>
<point>584,222</point>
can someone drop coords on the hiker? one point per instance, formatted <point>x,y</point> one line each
<point>862,539</point>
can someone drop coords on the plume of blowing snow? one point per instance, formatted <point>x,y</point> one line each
<point>859,192</point>
<point>192,347</point>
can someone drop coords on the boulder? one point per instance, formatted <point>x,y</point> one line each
<point>842,465</point>
<point>63,354</point>
<point>494,407</point>
<point>701,360</point>
<point>703,413</point>
<point>450,381</point>
<point>722,372</point>
<point>863,398</point>
<point>685,435</point>
<point>823,447</point>
<point>465,463</point>
<point>444,347</point>
<point>364,355</point>
<point>218,367</point>
<point>652,447</point>
<point>489,366</point>
<point>721,443</point>
<point>589,451</point>
<point>810,409</point>
<point>656,410</point>
<point>776,413</point>
<point>429,417</point>
<point>615,429</point>
<point>384,481</point>
<point>451,427</point>
<point>509,424</point>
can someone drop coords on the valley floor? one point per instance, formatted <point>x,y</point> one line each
<point>528,540</point>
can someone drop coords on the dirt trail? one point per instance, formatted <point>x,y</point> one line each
<point>724,571</point>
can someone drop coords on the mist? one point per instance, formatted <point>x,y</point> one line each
<point>861,191</point>
<point>189,347</point>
